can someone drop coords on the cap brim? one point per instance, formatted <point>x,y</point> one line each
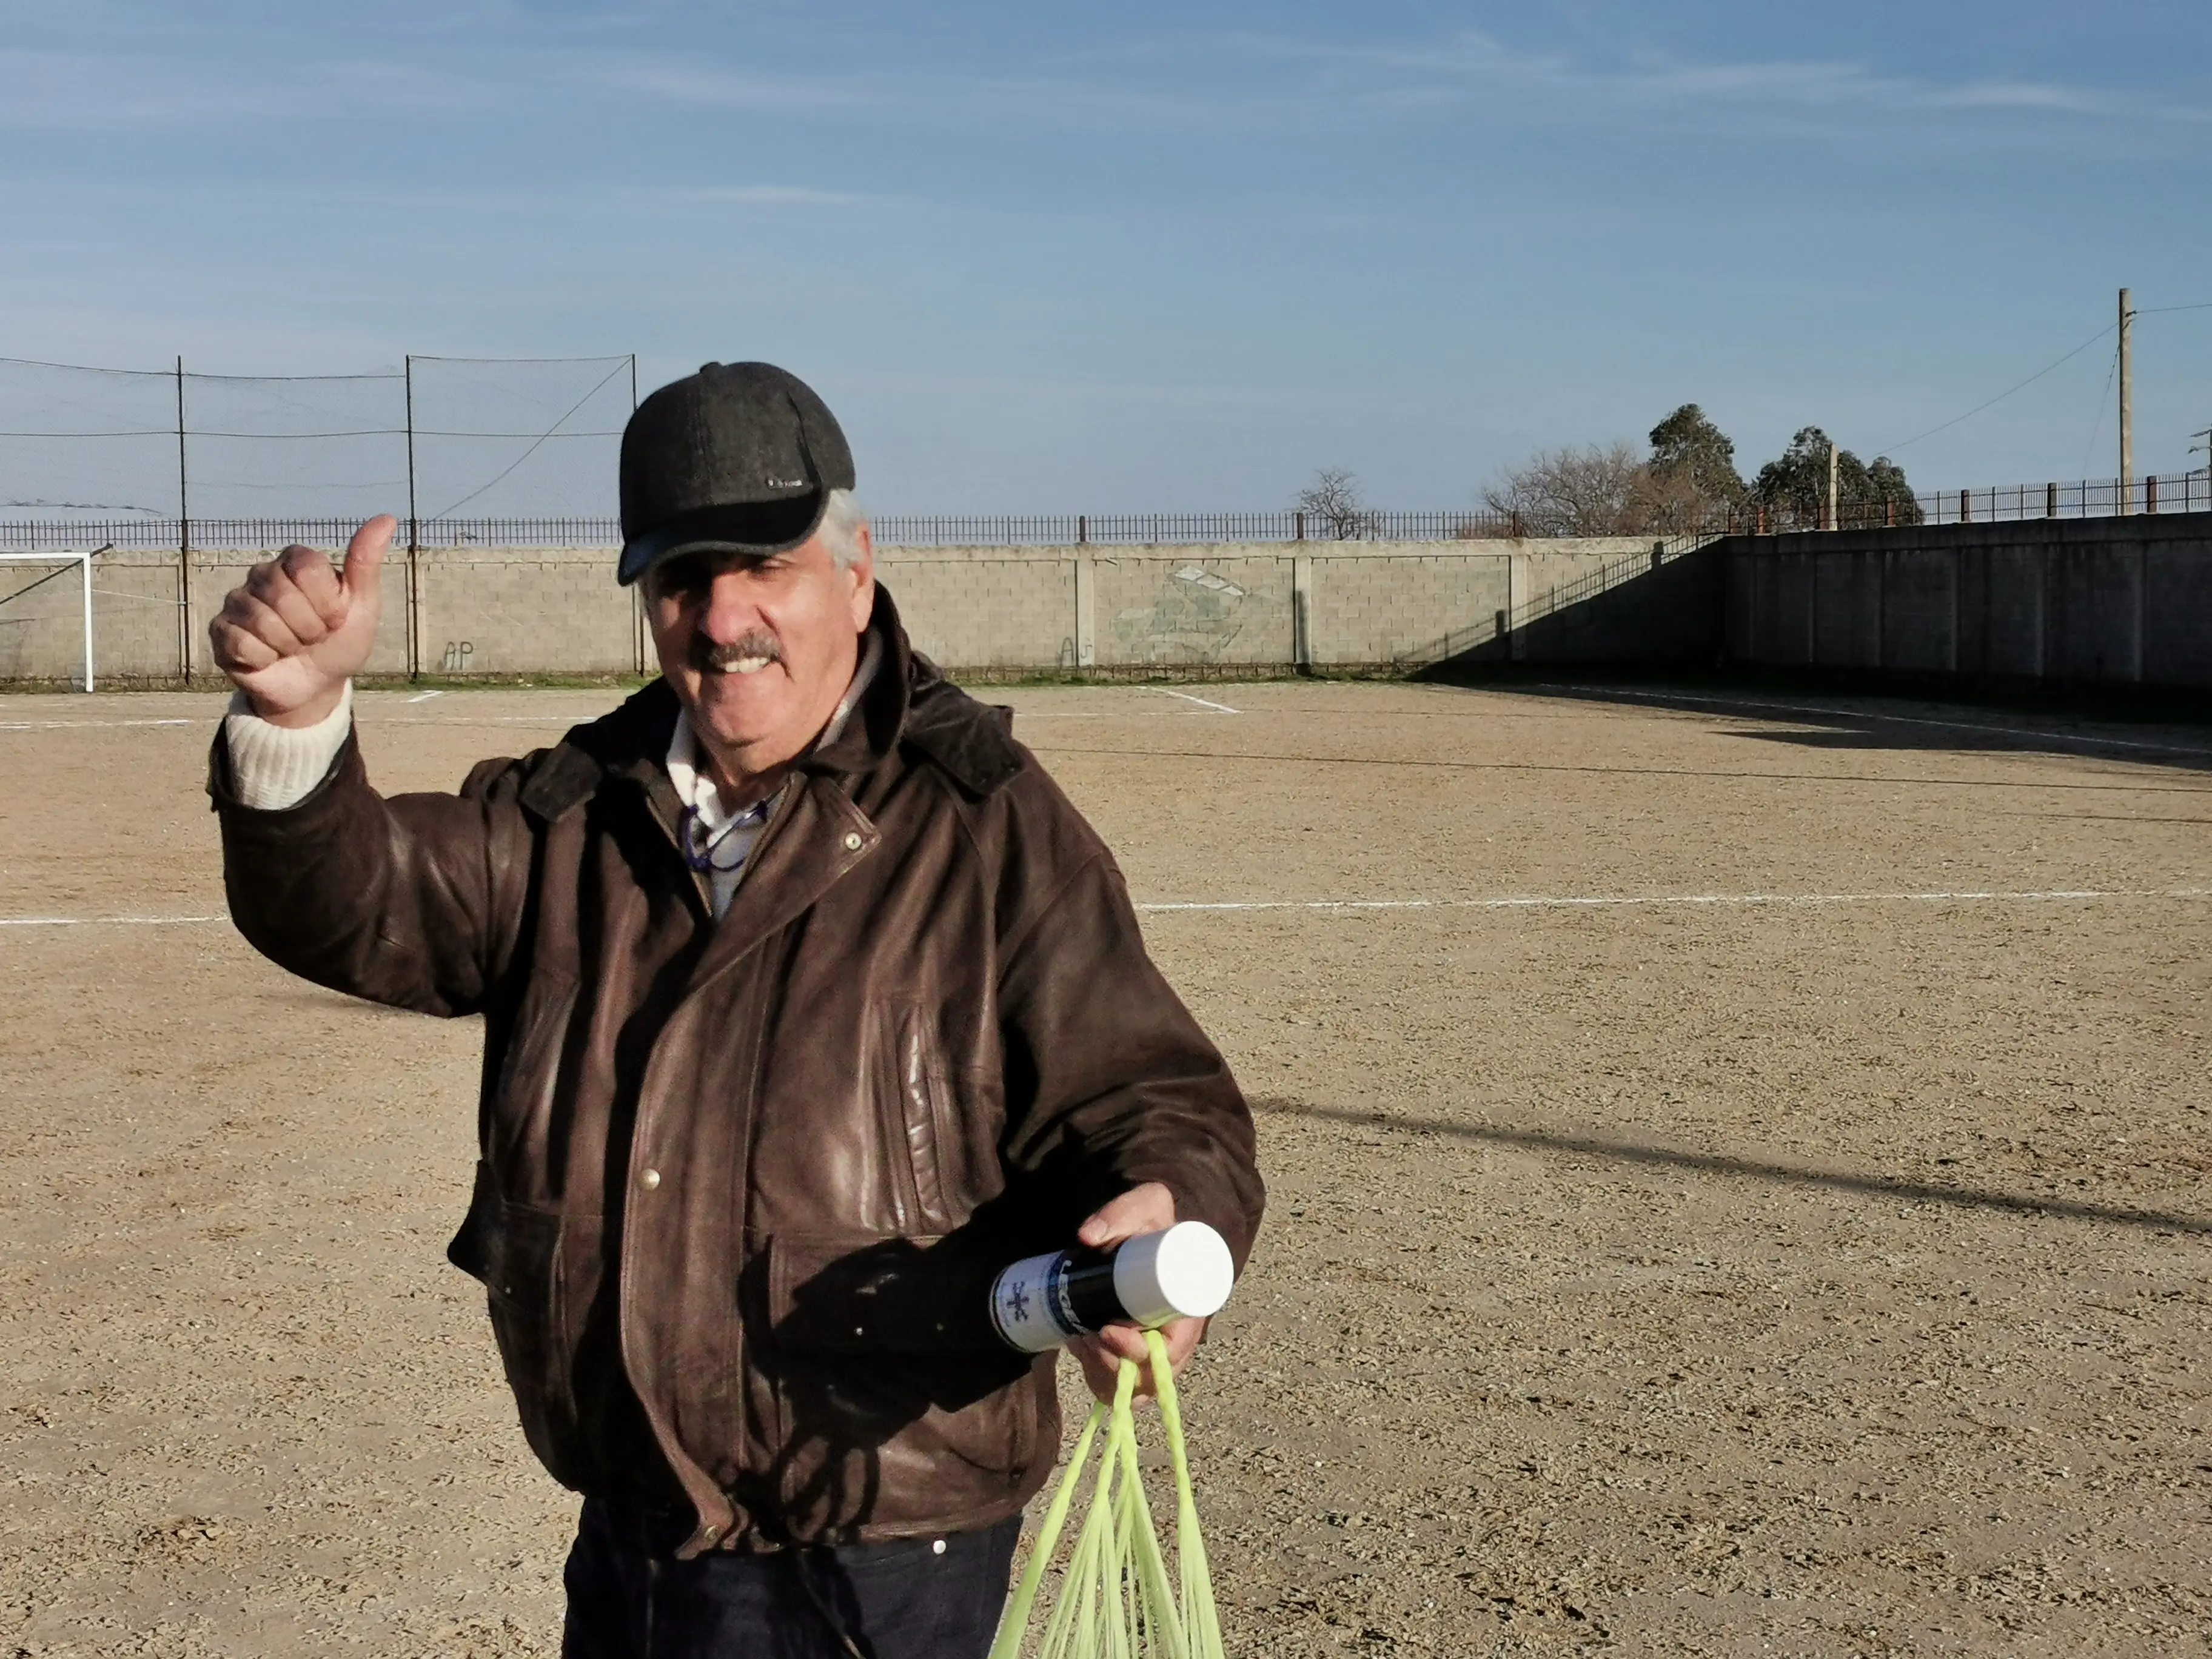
<point>759,528</point>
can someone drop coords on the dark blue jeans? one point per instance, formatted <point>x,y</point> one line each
<point>923,1598</point>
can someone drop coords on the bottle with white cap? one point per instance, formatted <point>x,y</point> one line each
<point>1043,1301</point>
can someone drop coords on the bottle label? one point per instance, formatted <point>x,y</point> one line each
<point>1031,1306</point>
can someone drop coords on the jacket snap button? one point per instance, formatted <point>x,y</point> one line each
<point>851,841</point>
<point>648,1179</point>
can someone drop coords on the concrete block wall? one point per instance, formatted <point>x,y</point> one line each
<point>2125,601</point>
<point>522,610</point>
<point>1007,613</point>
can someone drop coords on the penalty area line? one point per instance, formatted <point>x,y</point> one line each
<point>1627,901</point>
<point>1218,707</point>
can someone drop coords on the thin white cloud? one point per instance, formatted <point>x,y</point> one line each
<point>764,196</point>
<point>1473,66</point>
<point>72,91</point>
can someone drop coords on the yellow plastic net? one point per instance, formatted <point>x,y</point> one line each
<point>1116,1600</point>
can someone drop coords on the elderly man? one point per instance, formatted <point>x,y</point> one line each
<point>809,1002</point>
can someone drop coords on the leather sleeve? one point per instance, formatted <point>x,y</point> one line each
<point>1111,1080</point>
<point>415,901</point>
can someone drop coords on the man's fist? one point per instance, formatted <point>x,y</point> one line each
<point>298,630</point>
<point>1147,1209</point>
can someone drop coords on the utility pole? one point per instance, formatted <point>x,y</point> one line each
<point>1835,518</point>
<point>2127,406</point>
<point>414,541</point>
<point>184,545</point>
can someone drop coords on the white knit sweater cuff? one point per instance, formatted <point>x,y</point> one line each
<point>274,767</point>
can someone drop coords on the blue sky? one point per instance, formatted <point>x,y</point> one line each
<point>1138,257</point>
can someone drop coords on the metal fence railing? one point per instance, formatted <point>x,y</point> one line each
<point>1186,529</point>
<point>896,530</point>
<point>271,534</point>
<point>2086,498</point>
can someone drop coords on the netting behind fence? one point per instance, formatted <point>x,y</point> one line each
<point>155,458</point>
<point>523,451</point>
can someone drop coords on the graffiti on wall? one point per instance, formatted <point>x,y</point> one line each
<point>1193,618</point>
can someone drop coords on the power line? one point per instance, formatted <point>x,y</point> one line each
<point>426,357</point>
<point>619,364</point>
<point>2103,398</point>
<point>1891,449</point>
<point>90,368</point>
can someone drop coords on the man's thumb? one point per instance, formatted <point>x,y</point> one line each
<point>365,556</point>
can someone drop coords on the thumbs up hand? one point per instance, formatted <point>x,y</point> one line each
<point>298,630</point>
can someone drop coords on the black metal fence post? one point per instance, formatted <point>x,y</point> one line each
<point>183,543</point>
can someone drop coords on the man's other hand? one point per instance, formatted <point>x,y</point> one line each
<point>1146,1209</point>
<point>297,630</point>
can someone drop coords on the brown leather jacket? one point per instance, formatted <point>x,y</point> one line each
<point>744,1184</point>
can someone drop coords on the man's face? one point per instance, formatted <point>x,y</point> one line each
<point>759,647</point>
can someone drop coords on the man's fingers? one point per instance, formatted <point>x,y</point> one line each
<point>236,649</point>
<point>1146,1209</point>
<point>319,584</point>
<point>1101,1355</point>
<point>364,554</point>
<point>249,615</point>
<point>274,586</point>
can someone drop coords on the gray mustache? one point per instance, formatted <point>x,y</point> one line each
<point>722,659</point>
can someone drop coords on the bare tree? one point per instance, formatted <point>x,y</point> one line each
<point>1599,490</point>
<point>1333,500</point>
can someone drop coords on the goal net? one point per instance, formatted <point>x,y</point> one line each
<point>45,615</point>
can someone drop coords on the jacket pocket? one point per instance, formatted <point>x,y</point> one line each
<point>895,1401</point>
<point>521,1252</point>
<point>520,1107</point>
<point>916,1118</point>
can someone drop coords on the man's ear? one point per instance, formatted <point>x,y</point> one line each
<point>863,570</point>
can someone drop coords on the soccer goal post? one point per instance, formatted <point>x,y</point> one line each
<point>84,562</point>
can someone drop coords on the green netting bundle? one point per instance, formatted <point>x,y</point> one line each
<point>1116,1600</point>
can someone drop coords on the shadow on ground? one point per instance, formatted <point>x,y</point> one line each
<point>1914,725</point>
<point>1630,1151</point>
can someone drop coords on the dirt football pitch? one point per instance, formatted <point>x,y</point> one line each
<point>1738,1165</point>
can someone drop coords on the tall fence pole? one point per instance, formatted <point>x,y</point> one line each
<point>636,589</point>
<point>84,568</point>
<point>414,538</point>
<point>2127,407</point>
<point>184,553</point>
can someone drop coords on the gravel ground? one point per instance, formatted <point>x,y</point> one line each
<point>1738,1170</point>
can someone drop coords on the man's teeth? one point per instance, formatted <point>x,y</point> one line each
<point>753,664</point>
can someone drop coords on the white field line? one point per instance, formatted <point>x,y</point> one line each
<point>369,717</point>
<point>425,696</point>
<point>61,725</point>
<point>106,921</point>
<point>1533,901</point>
<point>2079,738</point>
<point>1219,707</point>
<point>1624,900</point>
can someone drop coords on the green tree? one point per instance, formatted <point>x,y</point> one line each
<point>1793,486</point>
<point>1692,479</point>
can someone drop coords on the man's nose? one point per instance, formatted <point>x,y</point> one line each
<point>730,609</point>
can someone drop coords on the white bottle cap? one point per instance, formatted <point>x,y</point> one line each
<point>1185,1272</point>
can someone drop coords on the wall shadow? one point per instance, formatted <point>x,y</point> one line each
<point>1967,729</point>
<point>1629,1151</point>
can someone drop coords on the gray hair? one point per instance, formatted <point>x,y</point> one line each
<point>843,521</point>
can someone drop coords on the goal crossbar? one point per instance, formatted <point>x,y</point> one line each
<point>84,562</point>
